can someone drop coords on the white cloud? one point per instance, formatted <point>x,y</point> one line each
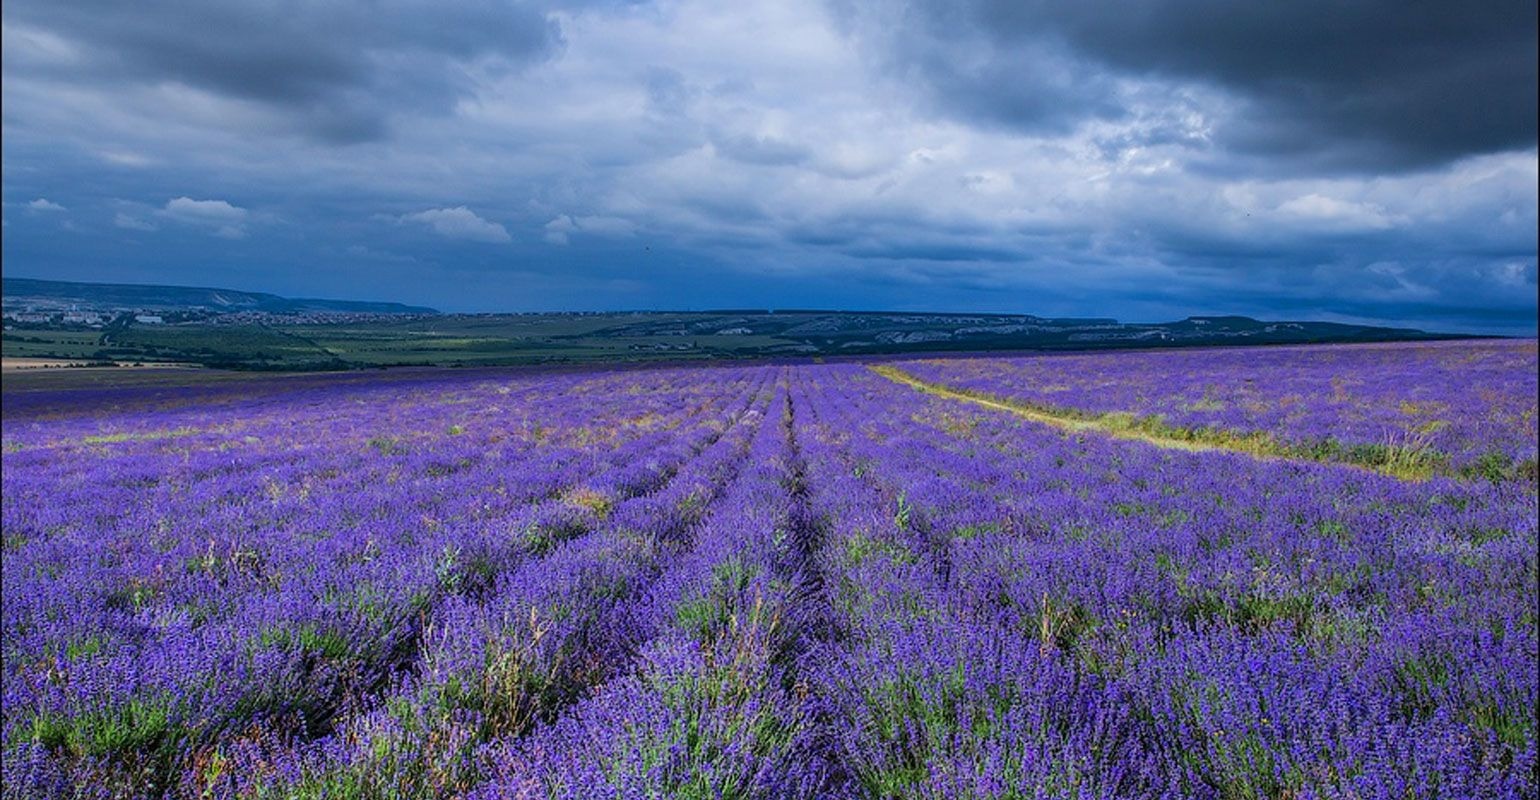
<point>460,223</point>
<point>188,209</point>
<point>28,46</point>
<point>133,223</point>
<point>559,230</point>
<point>1336,214</point>
<point>1516,274</point>
<point>124,158</point>
<point>218,217</point>
<point>44,204</point>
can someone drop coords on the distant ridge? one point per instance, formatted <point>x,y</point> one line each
<point>133,296</point>
<point>255,330</point>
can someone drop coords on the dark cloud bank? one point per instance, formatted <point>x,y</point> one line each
<point>1355,160</point>
<point>1323,85</point>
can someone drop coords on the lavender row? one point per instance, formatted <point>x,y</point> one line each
<point>712,709</point>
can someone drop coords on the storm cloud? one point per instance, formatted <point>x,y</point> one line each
<point>334,71</point>
<point>1361,160</point>
<point>1364,85</point>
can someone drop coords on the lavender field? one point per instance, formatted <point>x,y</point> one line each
<point>779,581</point>
<point>1461,407</point>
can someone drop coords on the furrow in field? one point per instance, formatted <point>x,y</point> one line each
<point>817,626</point>
<point>715,706</point>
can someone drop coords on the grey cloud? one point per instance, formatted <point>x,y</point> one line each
<point>1027,158</point>
<point>761,150</point>
<point>668,92</point>
<point>961,252</point>
<point>1332,86</point>
<point>966,68</point>
<point>1029,88</point>
<point>334,71</point>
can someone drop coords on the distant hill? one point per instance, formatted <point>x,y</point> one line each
<point>252,330</point>
<point>831,332</point>
<point>139,297</point>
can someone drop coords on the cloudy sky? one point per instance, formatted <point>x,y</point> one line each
<point>1324,159</point>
